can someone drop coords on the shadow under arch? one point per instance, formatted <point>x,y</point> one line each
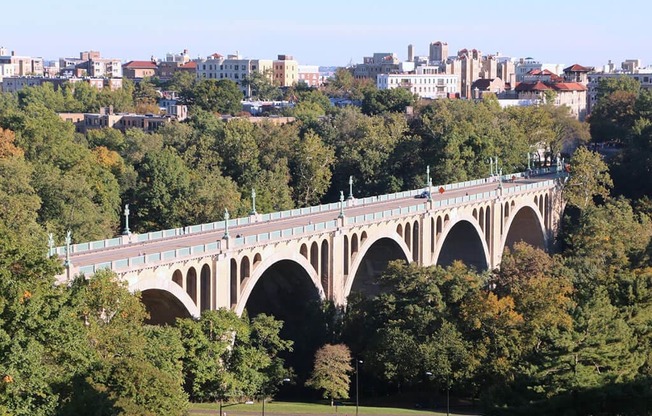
<point>165,300</point>
<point>298,260</point>
<point>463,240</point>
<point>372,260</point>
<point>290,292</point>
<point>525,224</point>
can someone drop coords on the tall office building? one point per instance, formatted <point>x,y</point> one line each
<point>410,53</point>
<point>438,51</point>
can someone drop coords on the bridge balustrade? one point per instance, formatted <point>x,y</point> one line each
<point>285,233</point>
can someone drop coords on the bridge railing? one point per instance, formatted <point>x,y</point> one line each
<point>145,258</point>
<point>220,225</point>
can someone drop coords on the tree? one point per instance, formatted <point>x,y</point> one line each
<point>331,371</point>
<point>223,96</point>
<point>312,163</point>
<point>589,178</point>
<point>394,100</point>
<point>261,86</point>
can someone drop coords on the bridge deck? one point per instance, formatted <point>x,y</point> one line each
<point>120,252</point>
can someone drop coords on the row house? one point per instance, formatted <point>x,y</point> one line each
<point>122,121</point>
<point>309,75</point>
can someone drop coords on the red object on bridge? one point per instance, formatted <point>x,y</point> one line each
<point>441,190</point>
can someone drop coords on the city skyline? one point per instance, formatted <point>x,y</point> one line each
<point>333,34</point>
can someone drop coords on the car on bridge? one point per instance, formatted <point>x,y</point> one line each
<point>424,194</point>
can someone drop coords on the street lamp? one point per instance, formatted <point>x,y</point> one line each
<point>448,389</point>
<point>285,380</point>
<point>357,388</point>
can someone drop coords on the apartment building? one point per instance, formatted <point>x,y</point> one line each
<point>285,71</point>
<point>570,94</point>
<point>15,65</point>
<point>12,84</point>
<point>425,82</point>
<point>378,63</point>
<point>630,68</point>
<point>122,121</point>
<point>137,70</point>
<point>309,75</point>
<point>524,66</point>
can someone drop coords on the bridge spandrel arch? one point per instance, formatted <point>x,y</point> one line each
<point>463,239</point>
<point>403,253</point>
<point>265,265</point>
<point>526,224</point>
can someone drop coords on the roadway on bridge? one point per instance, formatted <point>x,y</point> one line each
<point>178,242</point>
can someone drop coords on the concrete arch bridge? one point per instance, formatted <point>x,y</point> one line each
<point>327,251</point>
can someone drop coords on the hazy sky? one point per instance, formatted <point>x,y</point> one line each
<point>332,32</point>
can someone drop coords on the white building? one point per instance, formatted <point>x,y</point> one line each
<point>642,75</point>
<point>426,82</point>
<point>524,66</point>
<point>309,74</point>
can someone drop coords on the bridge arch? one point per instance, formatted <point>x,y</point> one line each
<point>164,299</point>
<point>454,243</point>
<point>250,284</point>
<point>370,242</point>
<point>526,223</point>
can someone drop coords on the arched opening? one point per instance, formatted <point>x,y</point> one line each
<point>245,271</point>
<point>487,226</point>
<point>525,227</point>
<point>399,230</point>
<point>205,288</point>
<point>163,307</point>
<point>432,235</point>
<point>546,213</point>
<point>177,277</point>
<point>541,206</point>
<point>439,227</point>
<point>408,235</point>
<point>481,219</point>
<point>345,255</point>
<point>354,246</point>
<point>286,291</point>
<point>536,200</point>
<point>191,284</point>
<point>446,219</point>
<point>325,275</point>
<point>475,213</point>
<point>257,259</point>
<point>363,237</point>
<point>304,250</point>
<point>506,210</point>
<point>463,243</point>
<point>234,283</point>
<point>374,263</point>
<point>314,256</point>
<point>415,241</point>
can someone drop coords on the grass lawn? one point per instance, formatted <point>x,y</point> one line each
<point>293,408</point>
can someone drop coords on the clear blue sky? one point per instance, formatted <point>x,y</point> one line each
<point>332,32</point>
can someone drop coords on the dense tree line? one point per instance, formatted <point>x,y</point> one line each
<point>542,333</point>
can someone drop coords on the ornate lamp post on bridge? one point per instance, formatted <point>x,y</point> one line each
<point>341,205</point>
<point>350,187</point>
<point>126,214</point>
<point>226,224</point>
<point>253,202</point>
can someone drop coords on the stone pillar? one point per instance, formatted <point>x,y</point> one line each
<point>222,281</point>
<point>426,255</point>
<point>338,279</point>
